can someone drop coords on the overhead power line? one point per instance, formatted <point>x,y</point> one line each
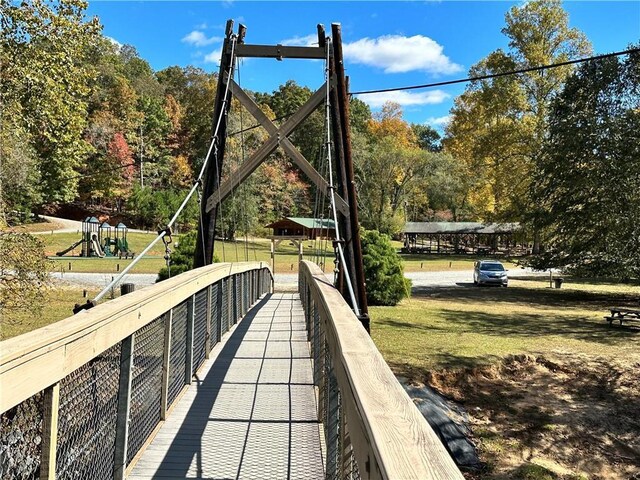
<point>501,74</point>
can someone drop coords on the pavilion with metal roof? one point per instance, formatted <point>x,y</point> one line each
<point>463,238</point>
<point>303,227</point>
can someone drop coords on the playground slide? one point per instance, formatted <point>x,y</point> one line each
<point>96,247</point>
<point>61,253</point>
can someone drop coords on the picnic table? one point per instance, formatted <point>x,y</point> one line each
<point>622,314</point>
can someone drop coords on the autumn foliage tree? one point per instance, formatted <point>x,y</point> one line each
<point>498,125</point>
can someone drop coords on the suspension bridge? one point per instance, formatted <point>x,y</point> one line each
<point>211,374</point>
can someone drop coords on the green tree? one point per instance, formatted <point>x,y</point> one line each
<point>427,137</point>
<point>589,174</point>
<point>182,257</point>
<point>45,82</point>
<point>24,273</point>
<point>383,270</point>
<point>498,125</point>
<point>195,91</point>
<point>391,171</point>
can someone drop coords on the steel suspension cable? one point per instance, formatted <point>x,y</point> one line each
<point>198,181</point>
<point>244,191</point>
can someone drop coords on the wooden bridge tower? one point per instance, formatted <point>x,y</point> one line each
<point>350,268</point>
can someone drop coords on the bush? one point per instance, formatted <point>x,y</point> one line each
<point>182,256</point>
<point>383,271</point>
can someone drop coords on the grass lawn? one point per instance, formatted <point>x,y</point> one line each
<point>550,390</point>
<point>254,250</point>
<point>443,263</point>
<point>58,304</point>
<point>470,326</point>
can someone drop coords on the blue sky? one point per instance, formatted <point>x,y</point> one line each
<point>386,44</point>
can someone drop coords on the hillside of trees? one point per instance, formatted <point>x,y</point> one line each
<point>88,121</point>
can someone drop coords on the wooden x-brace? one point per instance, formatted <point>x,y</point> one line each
<point>277,137</point>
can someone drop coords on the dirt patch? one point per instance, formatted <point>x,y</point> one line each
<point>551,417</point>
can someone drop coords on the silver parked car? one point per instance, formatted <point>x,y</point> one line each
<point>490,272</point>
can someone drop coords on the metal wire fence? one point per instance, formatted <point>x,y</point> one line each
<point>146,381</point>
<point>21,439</point>
<point>178,349</point>
<point>87,419</point>
<point>199,329</point>
<point>92,406</point>
<point>225,304</point>
<point>340,462</point>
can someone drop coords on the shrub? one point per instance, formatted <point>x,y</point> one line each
<point>182,256</point>
<point>383,271</point>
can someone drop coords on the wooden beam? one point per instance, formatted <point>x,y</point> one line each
<point>50,432</point>
<point>207,339</point>
<point>166,365</point>
<point>33,361</point>
<point>389,435</point>
<point>289,148</point>
<point>124,404</point>
<point>249,166</point>
<point>279,51</point>
<point>191,309</point>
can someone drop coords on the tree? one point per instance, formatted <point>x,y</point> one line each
<point>498,125</point>
<point>391,170</point>
<point>427,138</point>
<point>24,273</point>
<point>589,174</point>
<point>43,49</point>
<point>383,270</point>
<point>195,91</point>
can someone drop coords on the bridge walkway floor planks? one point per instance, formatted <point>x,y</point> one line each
<point>252,414</point>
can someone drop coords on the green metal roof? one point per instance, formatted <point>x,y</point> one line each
<point>313,222</point>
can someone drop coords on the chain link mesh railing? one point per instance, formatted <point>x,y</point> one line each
<point>199,330</point>
<point>21,439</point>
<point>146,380</point>
<point>89,401</point>
<point>178,348</point>
<point>340,462</point>
<point>87,419</point>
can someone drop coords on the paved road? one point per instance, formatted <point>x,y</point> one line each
<point>103,279</point>
<point>70,226</point>
<point>289,281</point>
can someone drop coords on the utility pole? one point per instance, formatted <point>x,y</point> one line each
<point>141,158</point>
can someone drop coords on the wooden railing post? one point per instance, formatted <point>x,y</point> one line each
<point>50,432</point>
<point>188,373</point>
<point>166,365</point>
<point>219,311</point>
<point>207,338</point>
<point>234,299</point>
<point>124,403</point>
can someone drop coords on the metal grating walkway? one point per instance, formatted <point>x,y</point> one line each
<point>252,414</point>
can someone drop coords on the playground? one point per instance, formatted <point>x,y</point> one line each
<point>101,240</point>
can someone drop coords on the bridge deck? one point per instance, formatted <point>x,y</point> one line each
<point>252,414</point>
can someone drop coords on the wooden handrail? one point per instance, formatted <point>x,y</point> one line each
<point>390,437</point>
<point>36,360</point>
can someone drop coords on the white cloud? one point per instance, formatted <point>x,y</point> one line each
<point>376,100</point>
<point>199,39</point>
<point>214,57</point>
<point>438,121</point>
<point>306,41</point>
<point>115,42</point>
<point>399,54</point>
